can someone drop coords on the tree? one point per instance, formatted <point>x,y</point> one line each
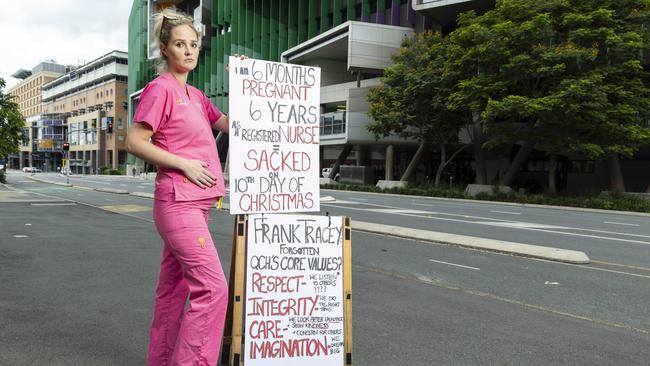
<point>412,100</point>
<point>560,75</point>
<point>11,123</point>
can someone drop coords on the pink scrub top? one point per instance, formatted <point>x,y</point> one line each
<point>182,125</point>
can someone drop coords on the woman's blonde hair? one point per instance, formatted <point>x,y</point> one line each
<point>164,22</point>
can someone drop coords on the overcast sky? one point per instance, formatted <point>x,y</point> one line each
<point>68,31</point>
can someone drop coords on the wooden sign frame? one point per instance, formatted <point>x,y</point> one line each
<point>233,339</point>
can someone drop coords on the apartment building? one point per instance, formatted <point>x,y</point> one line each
<point>92,103</point>
<point>40,147</point>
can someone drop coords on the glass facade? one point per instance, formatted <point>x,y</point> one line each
<point>260,29</point>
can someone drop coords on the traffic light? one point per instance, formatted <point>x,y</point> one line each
<point>110,127</point>
<point>66,146</point>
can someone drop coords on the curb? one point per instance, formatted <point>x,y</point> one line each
<point>49,181</point>
<point>111,190</point>
<point>142,194</point>
<point>524,250</point>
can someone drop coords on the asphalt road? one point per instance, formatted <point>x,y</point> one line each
<point>79,282</point>
<point>612,239</point>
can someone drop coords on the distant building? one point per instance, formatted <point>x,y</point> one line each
<point>91,102</point>
<point>34,149</point>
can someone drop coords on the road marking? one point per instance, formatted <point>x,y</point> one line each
<point>122,185</point>
<point>55,204</point>
<point>621,265</point>
<point>20,236</point>
<point>506,212</point>
<point>507,300</point>
<point>520,225</point>
<point>619,223</point>
<point>423,204</point>
<point>398,211</point>
<point>589,236</point>
<point>126,208</point>
<point>28,224</point>
<point>454,264</point>
<point>510,224</point>
<point>141,187</point>
<point>108,199</point>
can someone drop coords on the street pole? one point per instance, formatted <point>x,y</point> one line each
<point>67,170</point>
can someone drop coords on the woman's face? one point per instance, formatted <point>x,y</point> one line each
<point>182,51</point>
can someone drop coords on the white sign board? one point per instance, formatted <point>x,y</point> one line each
<point>294,291</point>
<point>274,137</point>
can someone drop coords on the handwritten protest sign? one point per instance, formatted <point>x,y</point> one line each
<point>294,291</point>
<point>274,137</point>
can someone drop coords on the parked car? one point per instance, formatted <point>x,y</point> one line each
<point>325,173</point>
<point>31,169</point>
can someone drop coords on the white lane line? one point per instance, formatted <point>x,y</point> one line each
<point>506,212</point>
<point>510,226</point>
<point>521,225</point>
<point>455,265</point>
<point>54,204</point>
<point>493,221</point>
<point>422,204</point>
<point>20,236</point>
<point>619,223</point>
<point>399,211</point>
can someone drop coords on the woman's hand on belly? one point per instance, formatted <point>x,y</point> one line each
<point>196,172</point>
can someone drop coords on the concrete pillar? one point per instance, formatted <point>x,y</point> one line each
<point>47,167</point>
<point>21,160</point>
<point>390,162</point>
<point>363,155</point>
<point>321,158</point>
<point>94,158</point>
<point>341,158</point>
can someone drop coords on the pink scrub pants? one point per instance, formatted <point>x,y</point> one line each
<point>190,265</point>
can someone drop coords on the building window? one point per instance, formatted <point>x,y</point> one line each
<point>119,123</point>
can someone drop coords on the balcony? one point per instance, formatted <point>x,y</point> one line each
<point>445,12</point>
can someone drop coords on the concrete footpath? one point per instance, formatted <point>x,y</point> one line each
<point>519,249</point>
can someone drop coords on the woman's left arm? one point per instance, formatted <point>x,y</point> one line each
<point>221,124</point>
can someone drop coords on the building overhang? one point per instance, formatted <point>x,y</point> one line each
<point>21,74</point>
<point>363,46</point>
<point>445,12</point>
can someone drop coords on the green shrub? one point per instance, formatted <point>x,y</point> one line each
<point>107,170</point>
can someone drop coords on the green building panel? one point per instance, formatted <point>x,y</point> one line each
<point>257,28</point>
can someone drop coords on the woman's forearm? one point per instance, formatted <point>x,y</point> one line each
<point>221,124</point>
